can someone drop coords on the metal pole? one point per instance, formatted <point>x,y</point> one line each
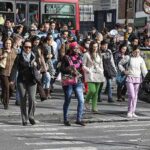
<point>15,7</point>
<point>126,22</point>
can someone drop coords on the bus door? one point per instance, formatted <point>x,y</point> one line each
<point>28,12</point>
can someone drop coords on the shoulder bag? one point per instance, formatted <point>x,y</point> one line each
<point>68,79</point>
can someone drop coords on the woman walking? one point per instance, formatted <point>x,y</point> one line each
<point>9,54</point>
<point>121,77</point>
<point>136,69</point>
<point>26,82</point>
<point>94,76</point>
<point>72,66</point>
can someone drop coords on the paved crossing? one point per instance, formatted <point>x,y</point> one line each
<point>97,136</point>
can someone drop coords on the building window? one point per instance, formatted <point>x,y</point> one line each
<point>86,13</point>
<point>139,5</point>
<point>109,17</point>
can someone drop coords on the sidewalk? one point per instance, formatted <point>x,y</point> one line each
<point>51,110</point>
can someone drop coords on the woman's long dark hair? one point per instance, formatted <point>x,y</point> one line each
<point>91,50</point>
<point>124,45</point>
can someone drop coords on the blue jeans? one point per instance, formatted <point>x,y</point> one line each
<point>109,88</point>
<point>78,89</point>
<point>46,80</point>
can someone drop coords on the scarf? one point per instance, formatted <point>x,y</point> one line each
<point>26,56</point>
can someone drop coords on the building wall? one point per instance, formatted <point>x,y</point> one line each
<point>121,10</point>
<point>103,13</point>
<point>135,10</point>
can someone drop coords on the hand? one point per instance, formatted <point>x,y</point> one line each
<point>11,82</point>
<point>74,71</point>
<point>126,72</point>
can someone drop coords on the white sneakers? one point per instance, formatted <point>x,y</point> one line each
<point>131,115</point>
<point>134,115</point>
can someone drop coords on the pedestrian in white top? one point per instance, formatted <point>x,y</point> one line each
<point>135,71</point>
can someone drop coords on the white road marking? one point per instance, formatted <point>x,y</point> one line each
<point>58,137</point>
<point>128,134</point>
<point>55,143</point>
<point>50,133</point>
<point>72,148</point>
<point>126,130</point>
<point>120,126</point>
<point>30,129</point>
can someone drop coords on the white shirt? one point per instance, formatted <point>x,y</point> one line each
<point>136,68</point>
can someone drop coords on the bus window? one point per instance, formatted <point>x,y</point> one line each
<point>63,9</point>
<point>61,13</point>
<point>20,13</point>
<point>33,13</point>
<point>6,6</point>
<point>6,10</point>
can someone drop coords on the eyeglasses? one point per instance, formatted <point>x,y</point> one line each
<point>29,47</point>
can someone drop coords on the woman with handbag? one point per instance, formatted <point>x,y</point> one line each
<point>71,69</point>
<point>5,71</point>
<point>144,90</point>
<point>94,76</point>
<point>26,81</point>
<point>136,69</point>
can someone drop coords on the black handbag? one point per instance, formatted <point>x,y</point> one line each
<point>143,95</point>
<point>109,70</point>
<point>146,86</point>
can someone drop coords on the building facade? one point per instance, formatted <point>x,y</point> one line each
<point>106,13</point>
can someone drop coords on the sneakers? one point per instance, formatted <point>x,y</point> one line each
<point>67,123</point>
<point>129,115</point>
<point>87,105</point>
<point>134,115</point>
<point>80,123</point>
<point>95,111</point>
<point>32,121</point>
<point>24,123</point>
<point>119,100</point>
<point>110,100</point>
<point>17,103</point>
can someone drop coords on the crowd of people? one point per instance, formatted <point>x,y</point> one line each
<point>31,60</point>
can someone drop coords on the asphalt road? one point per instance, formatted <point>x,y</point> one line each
<point>107,130</point>
<point>131,135</point>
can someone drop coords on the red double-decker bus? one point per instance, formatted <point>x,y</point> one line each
<point>39,11</point>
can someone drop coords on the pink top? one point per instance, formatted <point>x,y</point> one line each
<point>134,79</point>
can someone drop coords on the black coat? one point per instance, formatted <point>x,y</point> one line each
<point>25,70</point>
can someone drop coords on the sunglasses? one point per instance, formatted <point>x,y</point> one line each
<point>29,47</point>
<point>95,46</point>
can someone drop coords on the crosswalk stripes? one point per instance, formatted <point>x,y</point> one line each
<point>45,132</point>
<point>50,136</point>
